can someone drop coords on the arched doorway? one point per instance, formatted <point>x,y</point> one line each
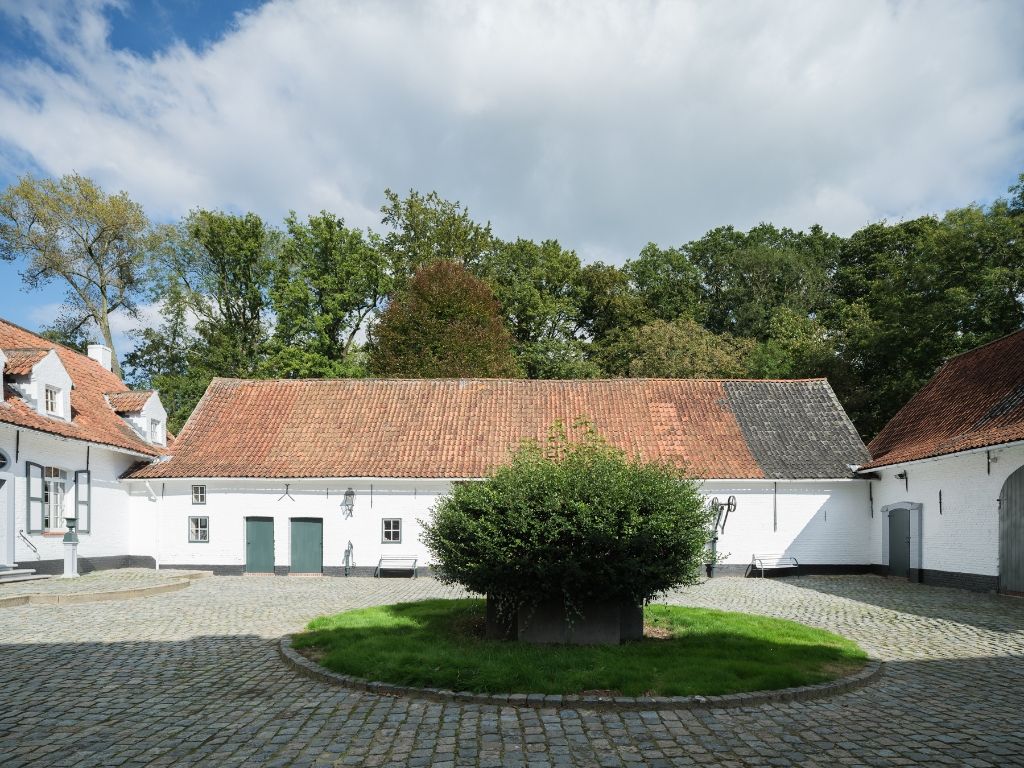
<point>1011,534</point>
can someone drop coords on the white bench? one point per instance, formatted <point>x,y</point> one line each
<point>396,564</point>
<point>764,563</point>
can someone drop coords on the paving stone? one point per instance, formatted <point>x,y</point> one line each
<point>193,678</point>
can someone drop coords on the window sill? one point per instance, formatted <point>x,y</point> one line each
<point>52,534</point>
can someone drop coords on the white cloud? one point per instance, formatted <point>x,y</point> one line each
<point>605,124</point>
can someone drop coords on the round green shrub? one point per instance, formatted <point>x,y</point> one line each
<point>571,520</point>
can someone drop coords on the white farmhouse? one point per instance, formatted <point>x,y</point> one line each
<point>67,435</point>
<point>329,477</point>
<point>948,487</point>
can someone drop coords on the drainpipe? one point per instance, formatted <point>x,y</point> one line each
<point>156,524</point>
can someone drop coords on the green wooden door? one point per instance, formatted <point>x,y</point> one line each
<point>307,545</point>
<point>899,542</point>
<point>259,544</point>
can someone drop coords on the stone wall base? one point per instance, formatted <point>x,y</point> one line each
<point>283,570</point>
<point>811,569</point>
<point>972,582</point>
<point>90,564</point>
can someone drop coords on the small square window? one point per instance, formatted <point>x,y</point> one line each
<point>52,400</point>
<point>392,531</point>
<point>198,530</point>
<point>198,494</point>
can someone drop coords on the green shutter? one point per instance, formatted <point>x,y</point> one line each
<point>83,500</point>
<point>33,497</point>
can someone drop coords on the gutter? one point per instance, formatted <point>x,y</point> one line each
<point>965,452</point>
<point>107,446</point>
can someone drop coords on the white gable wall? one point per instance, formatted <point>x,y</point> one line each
<point>153,409</point>
<point>49,371</point>
<point>111,524</point>
<point>819,523</point>
<point>964,538</point>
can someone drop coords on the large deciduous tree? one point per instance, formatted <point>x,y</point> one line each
<point>223,264</point>
<point>913,294</point>
<point>211,278</point>
<point>746,276</point>
<point>445,323</point>
<point>678,349</point>
<point>538,286</point>
<point>70,230</point>
<point>327,283</point>
<point>427,228</point>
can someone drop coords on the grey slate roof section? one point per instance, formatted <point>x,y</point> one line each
<point>796,429</point>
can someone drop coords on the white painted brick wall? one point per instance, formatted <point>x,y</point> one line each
<point>965,537</point>
<point>823,523</point>
<point>111,523</point>
<point>229,502</point>
<point>818,522</point>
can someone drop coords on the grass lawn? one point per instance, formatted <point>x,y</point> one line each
<point>439,644</point>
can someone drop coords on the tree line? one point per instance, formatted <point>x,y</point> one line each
<point>434,293</point>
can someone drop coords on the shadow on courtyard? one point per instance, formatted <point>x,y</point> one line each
<point>988,611</point>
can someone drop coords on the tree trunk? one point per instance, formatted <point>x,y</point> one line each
<point>108,339</point>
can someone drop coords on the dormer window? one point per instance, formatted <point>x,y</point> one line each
<point>52,401</point>
<point>155,431</point>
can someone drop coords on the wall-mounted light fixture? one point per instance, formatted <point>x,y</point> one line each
<point>903,476</point>
<point>348,503</point>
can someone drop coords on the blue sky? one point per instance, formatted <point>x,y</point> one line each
<point>143,28</point>
<point>602,123</point>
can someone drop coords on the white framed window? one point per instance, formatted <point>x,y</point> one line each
<point>198,494</point>
<point>391,532</point>
<point>51,401</point>
<point>54,493</point>
<point>198,530</point>
<point>155,431</point>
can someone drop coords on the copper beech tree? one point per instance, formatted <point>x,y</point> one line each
<point>444,324</point>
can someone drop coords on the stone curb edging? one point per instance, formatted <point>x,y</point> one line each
<point>130,593</point>
<point>871,671</point>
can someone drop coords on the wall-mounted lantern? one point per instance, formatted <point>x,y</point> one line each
<point>903,476</point>
<point>348,503</point>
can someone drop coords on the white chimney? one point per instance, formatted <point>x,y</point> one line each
<point>101,355</point>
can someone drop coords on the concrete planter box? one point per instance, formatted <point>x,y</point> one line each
<point>602,623</point>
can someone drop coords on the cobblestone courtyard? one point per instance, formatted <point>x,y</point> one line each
<point>193,678</point>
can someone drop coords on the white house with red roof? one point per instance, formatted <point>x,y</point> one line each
<point>332,476</point>
<point>335,476</point>
<point>948,469</point>
<point>69,429</point>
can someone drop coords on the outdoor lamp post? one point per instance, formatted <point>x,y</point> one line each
<point>70,549</point>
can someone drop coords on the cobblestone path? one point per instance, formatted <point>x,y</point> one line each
<point>193,678</point>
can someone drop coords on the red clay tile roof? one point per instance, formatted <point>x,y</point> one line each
<point>975,400</point>
<point>20,362</point>
<point>128,402</point>
<point>92,419</point>
<point>465,428</point>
